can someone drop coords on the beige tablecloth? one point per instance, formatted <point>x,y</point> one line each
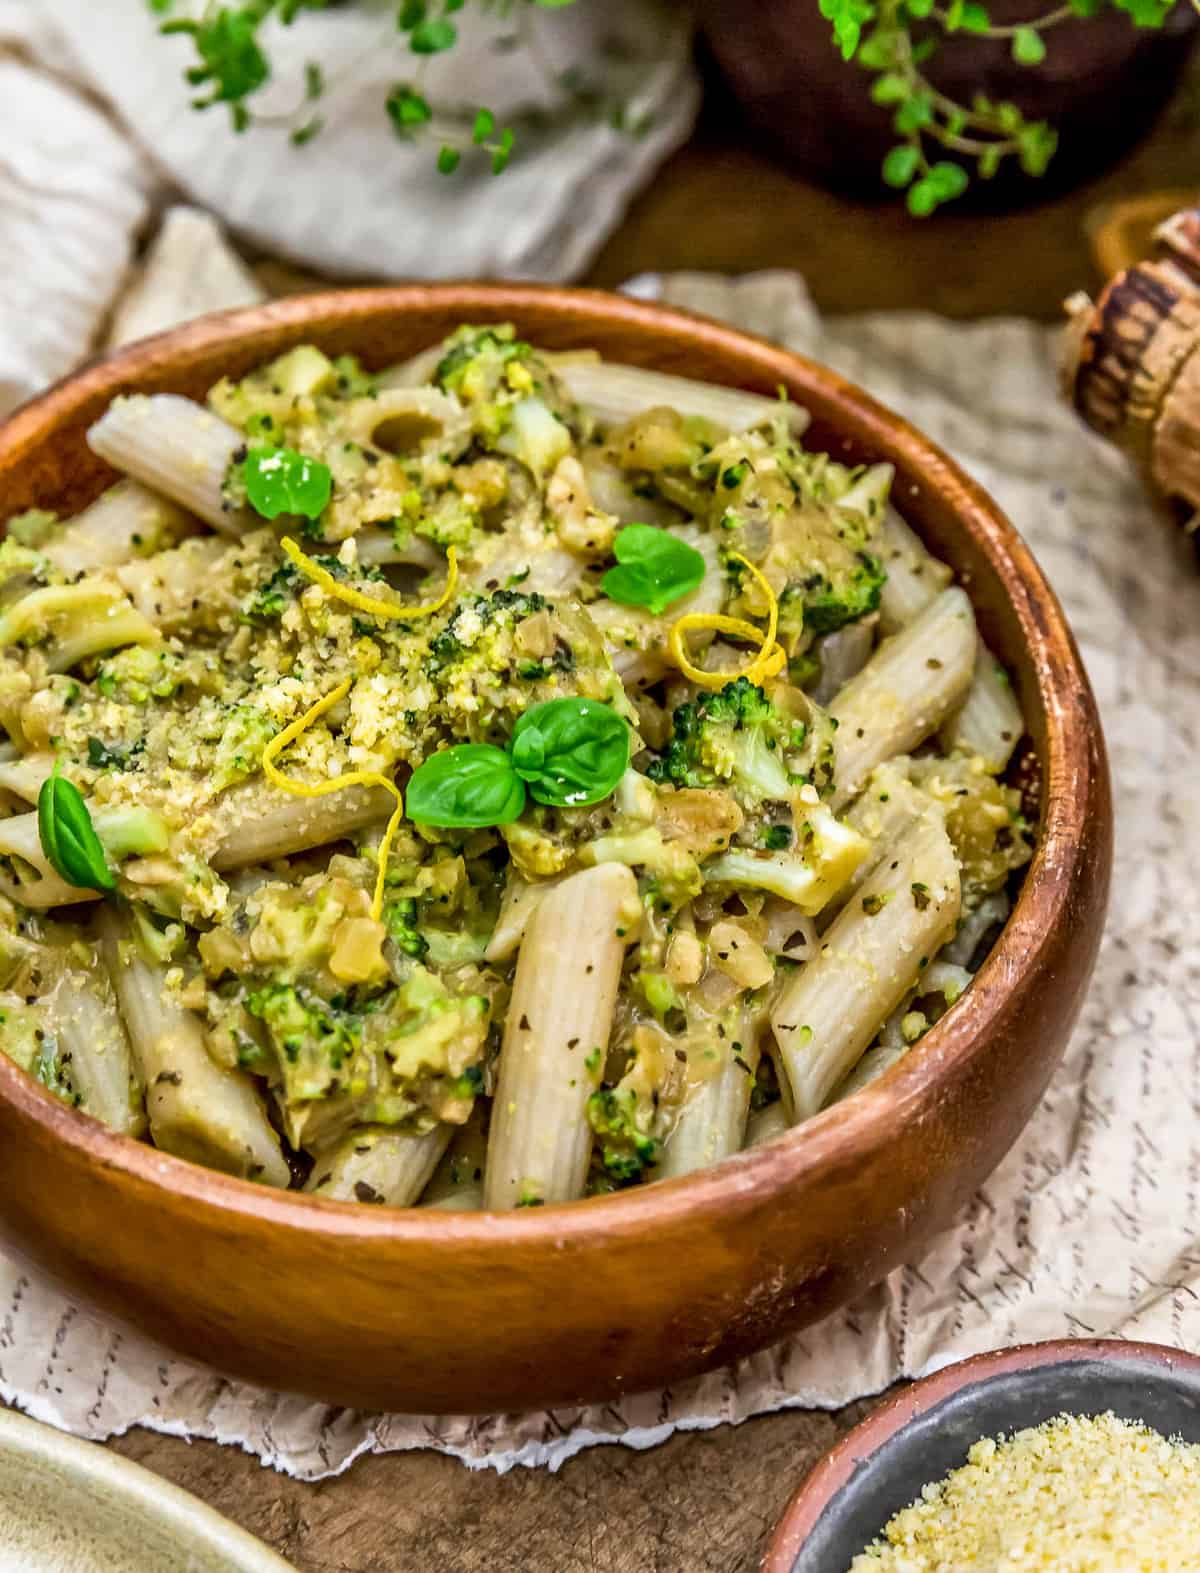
<point>1092,1223</point>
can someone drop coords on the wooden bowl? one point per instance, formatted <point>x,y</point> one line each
<point>458,1312</point>
<point>925,1431</point>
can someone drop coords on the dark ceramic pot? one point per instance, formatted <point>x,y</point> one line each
<point>1101,85</point>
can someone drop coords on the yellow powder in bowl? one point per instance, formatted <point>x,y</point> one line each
<point>1079,1494</point>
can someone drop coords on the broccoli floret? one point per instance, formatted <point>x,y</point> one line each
<point>138,674</point>
<point>111,756</point>
<point>400,920</point>
<point>827,601</point>
<point>25,1040</point>
<point>827,854</point>
<point>271,599</point>
<point>316,1045</point>
<point>626,1148</point>
<point>735,738</point>
<point>475,360</point>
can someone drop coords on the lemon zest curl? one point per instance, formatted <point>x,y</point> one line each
<point>770,659</point>
<point>365,778</point>
<point>370,603</point>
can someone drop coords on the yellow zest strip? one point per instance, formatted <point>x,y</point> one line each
<point>366,778</point>
<point>370,603</point>
<point>770,659</point>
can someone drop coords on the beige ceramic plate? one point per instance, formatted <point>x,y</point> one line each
<point>71,1507</point>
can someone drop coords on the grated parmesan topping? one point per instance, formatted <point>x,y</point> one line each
<point>1078,1494</point>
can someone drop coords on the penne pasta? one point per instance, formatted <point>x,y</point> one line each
<point>988,723</point>
<point>83,1013</point>
<point>125,522</point>
<point>556,1038</point>
<point>882,813</point>
<point>612,393</point>
<point>914,576</point>
<point>765,1124</point>
<point>711,1123</point>
<point>256,824</point>
<point>384,1167</point>
<point>172,589</point>
<point>843,655</point>
<point>457,1183</point>
<point>196,1109</point>
<point>177,447</point>
<point>872,955</point>
<point>905,691</point>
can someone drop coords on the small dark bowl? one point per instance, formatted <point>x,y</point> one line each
<point>926,1431</point>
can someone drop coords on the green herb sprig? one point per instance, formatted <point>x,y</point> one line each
<point>896,39</point>
<point>566,753</point>
<point>654,568</point>
<point>69,838</point>
<point>232,65</point>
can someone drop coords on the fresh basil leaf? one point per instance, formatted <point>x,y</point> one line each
<point>654,568</point>
<point>280,480</point>
<point>69,838</point>
<point>471,785</point>
<point>570,751</point>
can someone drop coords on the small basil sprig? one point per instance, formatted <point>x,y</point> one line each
<point>472,785</point>
<point>572,752</point>
<point>69,838</point>
<point>280,480</point>
<point>567,753</point>
<point>654,568</point>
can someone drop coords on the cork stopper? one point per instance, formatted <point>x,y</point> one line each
<point>1129,361</point>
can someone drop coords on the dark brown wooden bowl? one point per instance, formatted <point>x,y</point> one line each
<point>427,1310</point>
<point>926,1431</point>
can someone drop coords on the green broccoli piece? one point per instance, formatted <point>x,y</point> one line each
<point>828,600</point>
<point>138,674</point>
<point>475,360</point>
<point>271,599</point>
<point>400,920</point>
<point>111,756</point>
<point>619,1118</point>
<point>315,1043</point>
<point>26,1041</point>
<point>734,738</point>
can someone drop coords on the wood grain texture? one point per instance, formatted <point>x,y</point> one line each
<point>704,1502</point>
<point>381,1308</point>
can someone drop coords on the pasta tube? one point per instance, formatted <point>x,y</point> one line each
<point>126,521</point>
<point>989,721</point>
<point>92,1039</point>
<point>712,1121</point>
<point>869,959</point>
<point>556,1038</point>
<point>197,1110</point>
<point>177,447</point>
<point>257,824</point>
<point>914,576</point>
<point>614,393</point>
<point>386,1167</point>
<point>904,692</point>
<point>765,1124</point>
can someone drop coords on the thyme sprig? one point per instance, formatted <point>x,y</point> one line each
<point>232,65</point>
<point>896,39</point>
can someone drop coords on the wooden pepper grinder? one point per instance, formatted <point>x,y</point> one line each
<point>1131,362</point>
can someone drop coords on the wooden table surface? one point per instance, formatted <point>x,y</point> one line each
<point>702,1502</point>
